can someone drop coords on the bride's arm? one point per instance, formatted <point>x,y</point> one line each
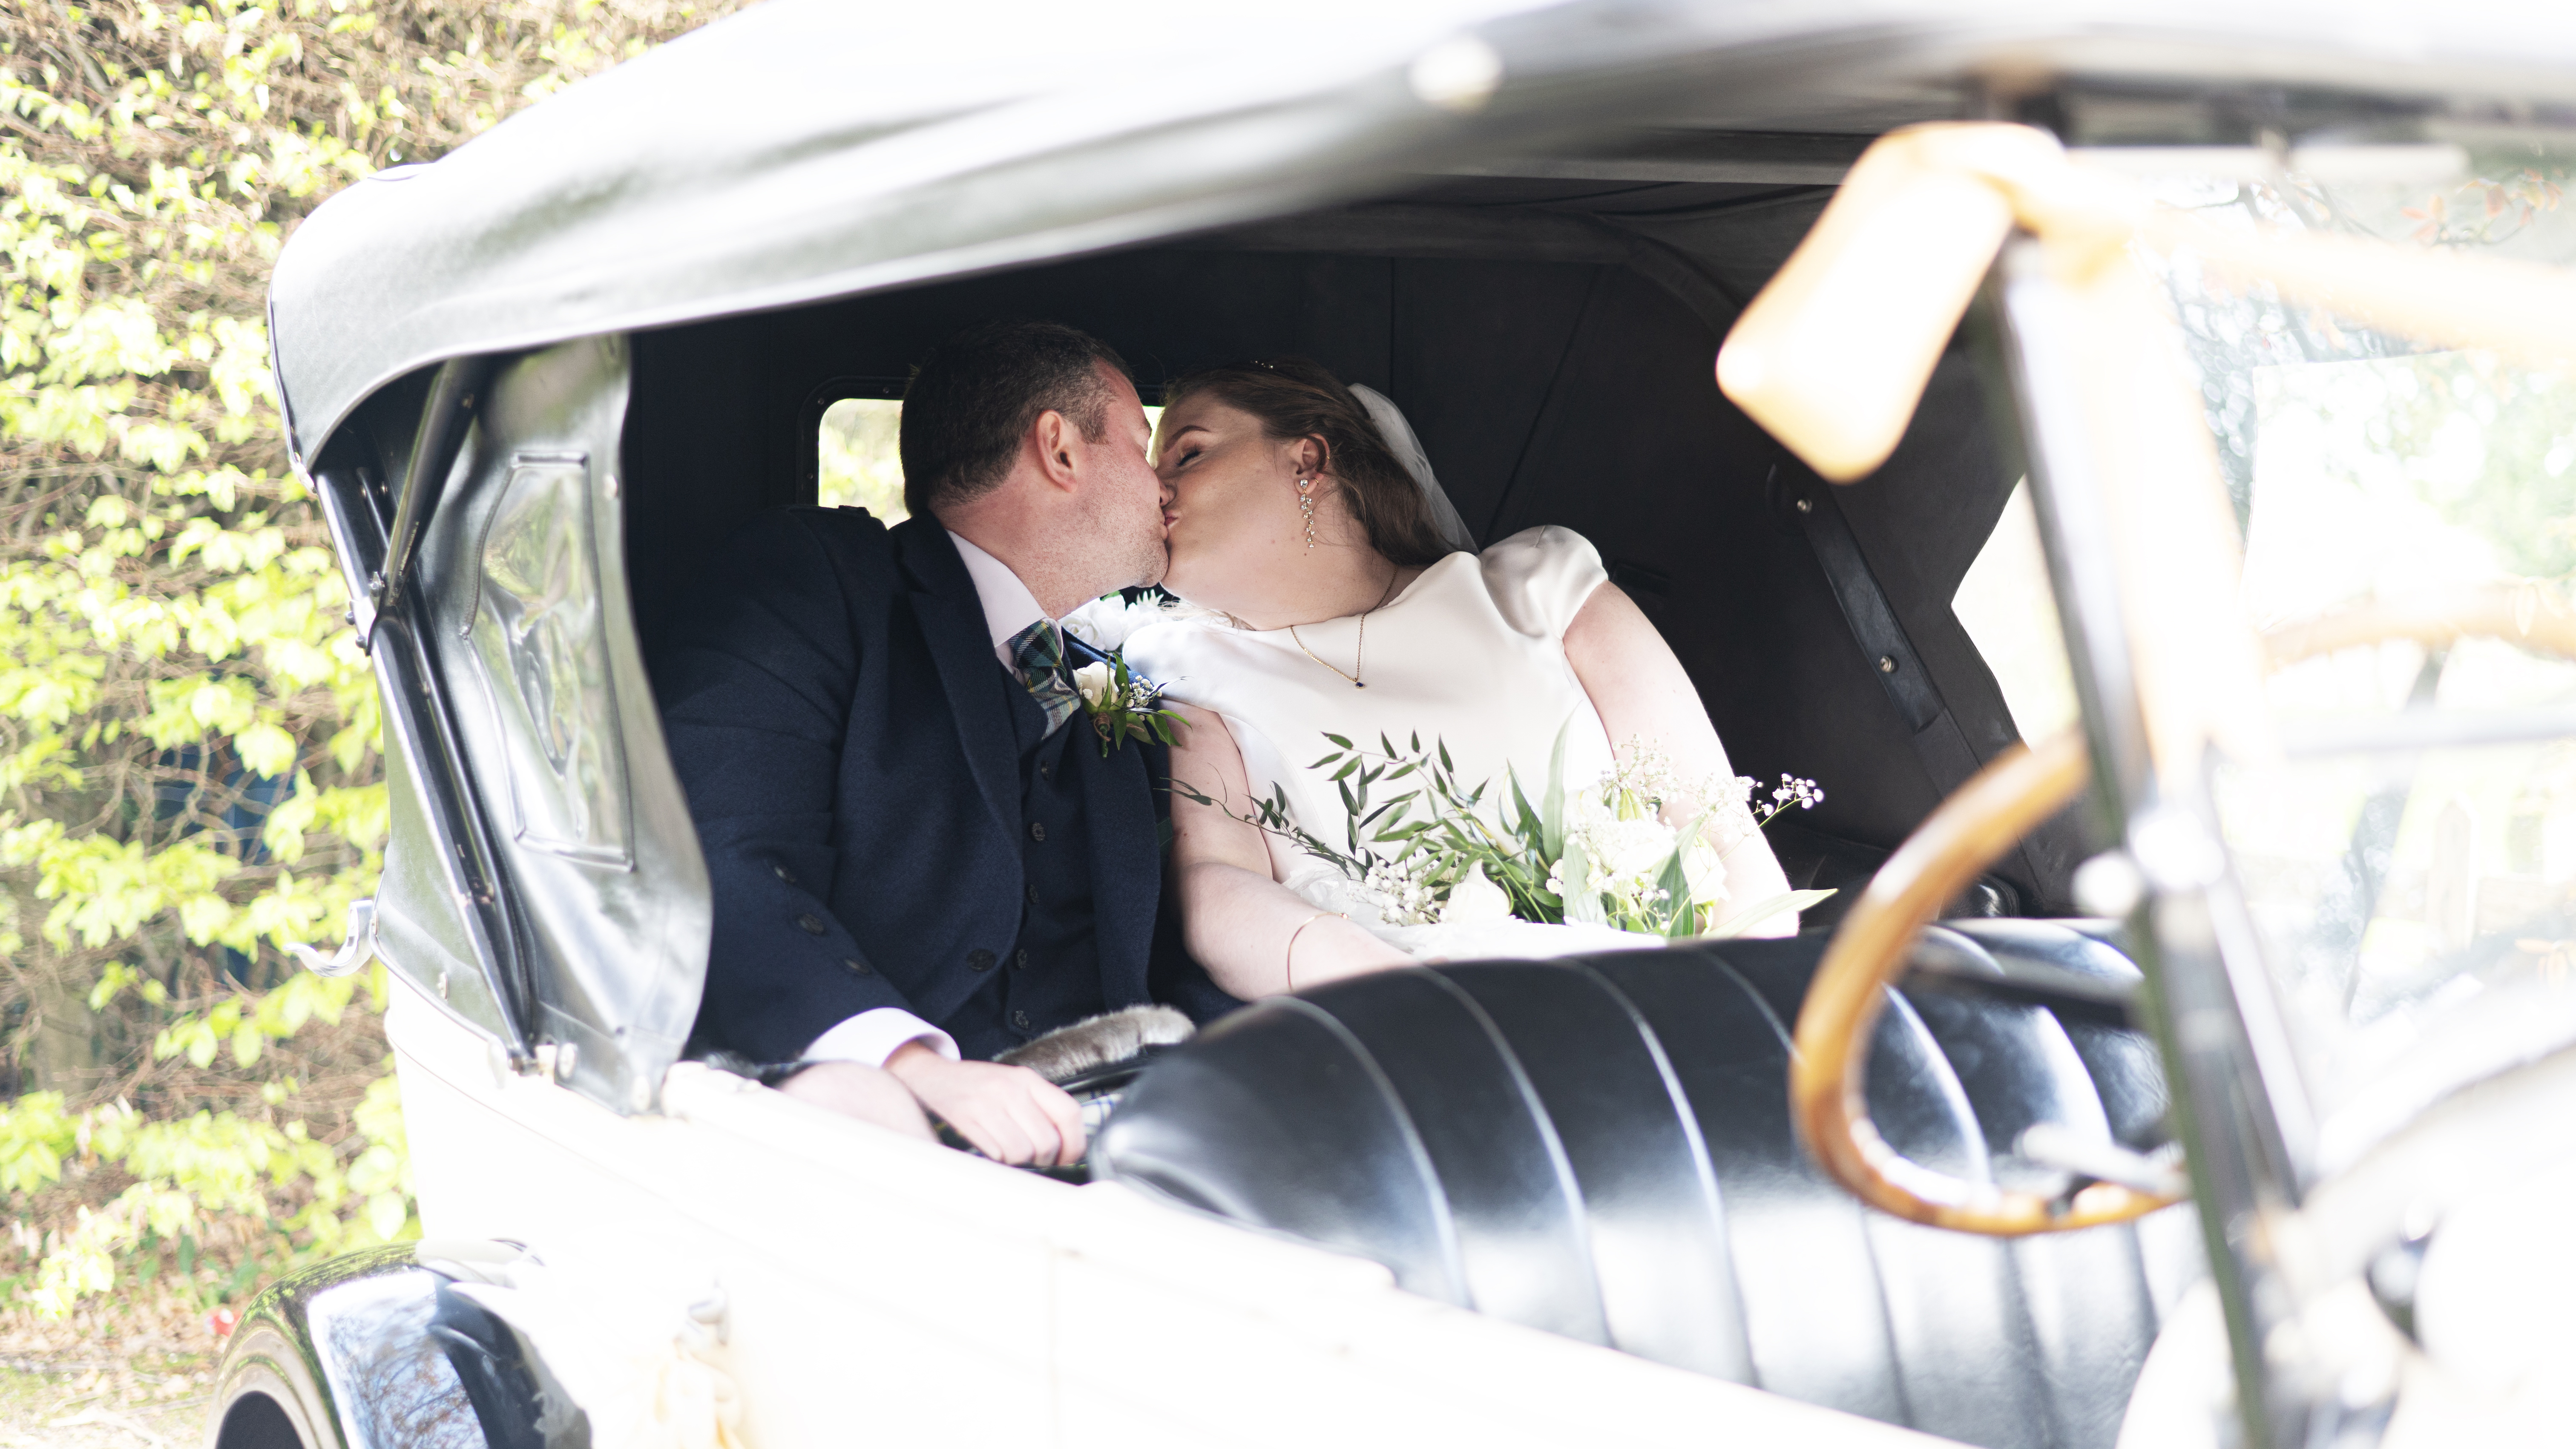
<point>1238,922</point>
<point>1640,689</point>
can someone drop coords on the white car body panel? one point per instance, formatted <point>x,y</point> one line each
<point>886,1288</point>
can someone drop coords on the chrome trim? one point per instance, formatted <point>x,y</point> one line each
<point>2415,731</point>
<point>356,951</point>
<point>2206,998</point>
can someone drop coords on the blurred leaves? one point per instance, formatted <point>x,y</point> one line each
<point>189,776</point>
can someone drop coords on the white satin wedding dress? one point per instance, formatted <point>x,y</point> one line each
<point>1471,655</point>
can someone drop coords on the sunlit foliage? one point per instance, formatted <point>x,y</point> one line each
<point>189,777</point>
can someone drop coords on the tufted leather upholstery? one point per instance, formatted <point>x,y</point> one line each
<point>1601,1148</point>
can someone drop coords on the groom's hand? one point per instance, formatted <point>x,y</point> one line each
<point>862,1092</point>
<point>1011,1114</point>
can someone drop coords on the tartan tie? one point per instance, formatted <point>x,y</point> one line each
<point>1040,650</point>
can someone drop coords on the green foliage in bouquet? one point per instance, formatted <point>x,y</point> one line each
<point>1600,855</point>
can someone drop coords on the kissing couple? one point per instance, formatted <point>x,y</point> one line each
<point>933,837</point>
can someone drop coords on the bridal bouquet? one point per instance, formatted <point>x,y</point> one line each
<point>1599,853</point>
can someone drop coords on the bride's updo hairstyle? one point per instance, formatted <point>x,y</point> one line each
<point>1296,398</point>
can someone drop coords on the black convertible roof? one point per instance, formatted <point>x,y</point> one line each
<point>808,149</point>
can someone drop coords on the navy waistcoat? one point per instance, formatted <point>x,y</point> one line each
<point>1051,976</point>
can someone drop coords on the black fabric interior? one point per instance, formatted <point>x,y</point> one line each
<point>1603,1149</point>
<point>1556,359</point>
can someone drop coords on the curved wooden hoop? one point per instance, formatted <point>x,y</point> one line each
<point>2003,802</point>
<point>2524,615</point>
<point>1829,1071</point>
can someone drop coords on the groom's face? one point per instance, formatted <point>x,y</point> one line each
<point>1123,502</point>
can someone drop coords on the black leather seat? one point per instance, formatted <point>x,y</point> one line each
<point>1602,1148</point>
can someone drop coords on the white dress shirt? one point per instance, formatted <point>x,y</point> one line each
<point>872,1036</point>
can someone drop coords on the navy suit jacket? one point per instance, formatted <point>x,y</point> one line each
<point>836,714</point>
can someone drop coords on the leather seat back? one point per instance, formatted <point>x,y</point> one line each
<point>1602,1148</point>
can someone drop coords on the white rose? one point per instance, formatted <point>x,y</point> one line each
<point>1476,901</point>
<point>1104,623</point>
<point>1621,849</point>
<point>1109,621</point>
<point>1093,681</point>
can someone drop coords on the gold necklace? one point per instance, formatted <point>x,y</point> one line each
<point>1359,652</point>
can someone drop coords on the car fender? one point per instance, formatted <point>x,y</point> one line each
<point>377,1350</point>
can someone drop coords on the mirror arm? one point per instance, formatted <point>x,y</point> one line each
<point>444,422</point>
<point>420,726</point>
<point>356,951</point>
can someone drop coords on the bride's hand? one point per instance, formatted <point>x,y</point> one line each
<point>1010,1114</point>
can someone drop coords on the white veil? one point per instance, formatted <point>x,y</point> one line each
<point>1408,450</point>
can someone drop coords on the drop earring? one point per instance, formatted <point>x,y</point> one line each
<point>1306,506</point>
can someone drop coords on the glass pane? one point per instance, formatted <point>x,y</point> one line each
<point>2006,606</point>
<point>544,647</point>
<point>858,465</point>
<point>2373,471</point>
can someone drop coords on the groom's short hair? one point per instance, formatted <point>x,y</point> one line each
<point>977,394</point>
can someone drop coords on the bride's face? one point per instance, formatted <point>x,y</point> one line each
<point>1232,509</point>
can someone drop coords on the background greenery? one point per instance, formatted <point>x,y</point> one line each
<point>189,776</point>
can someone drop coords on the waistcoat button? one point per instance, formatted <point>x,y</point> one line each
<point>1037,831</point>
<point>1020,959</point>
<point>785,874</point>
<point>1033,893</point>
<point>858,966</point>
<point>979,959</point>
<point>1020,1019</point>
<point>812,923</point>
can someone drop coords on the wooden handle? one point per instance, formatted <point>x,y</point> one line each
<point>1828,1073</point>
<point>2523,614</point>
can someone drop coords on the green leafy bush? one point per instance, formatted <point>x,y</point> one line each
<point>189,779</point>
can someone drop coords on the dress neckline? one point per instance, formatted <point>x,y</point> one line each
<point>1400,596</point>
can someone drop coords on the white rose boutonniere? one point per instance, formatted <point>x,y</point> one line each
<point>1093,681</point>
<point>1123,705</point>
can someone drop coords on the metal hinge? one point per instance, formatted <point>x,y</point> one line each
<point>356,951</point>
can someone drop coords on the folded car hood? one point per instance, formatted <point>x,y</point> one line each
<point>811,148</point>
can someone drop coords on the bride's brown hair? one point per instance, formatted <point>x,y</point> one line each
<point>1296,398</point>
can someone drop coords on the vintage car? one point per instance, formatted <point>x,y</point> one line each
<point>2172,385</point>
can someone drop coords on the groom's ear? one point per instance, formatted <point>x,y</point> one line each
<point>1057,444</point>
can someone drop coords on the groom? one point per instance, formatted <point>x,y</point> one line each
<point>920,857</point>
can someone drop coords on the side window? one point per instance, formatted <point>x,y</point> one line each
<point>856,462</point>
<point>2008,610</point>
<point>539,633</point>
<point>2432,485</point>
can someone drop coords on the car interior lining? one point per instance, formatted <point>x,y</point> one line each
<point>1551,342</point>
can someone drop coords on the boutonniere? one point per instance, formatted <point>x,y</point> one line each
<point>1123,704</point>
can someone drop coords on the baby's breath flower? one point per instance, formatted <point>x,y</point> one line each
<point>1405,894</point>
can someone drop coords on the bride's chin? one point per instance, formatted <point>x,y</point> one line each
<point>1182,574</point>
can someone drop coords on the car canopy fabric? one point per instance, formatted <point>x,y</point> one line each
<point>806,149</point>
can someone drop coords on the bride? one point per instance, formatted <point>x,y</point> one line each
<point>1334,589</point>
